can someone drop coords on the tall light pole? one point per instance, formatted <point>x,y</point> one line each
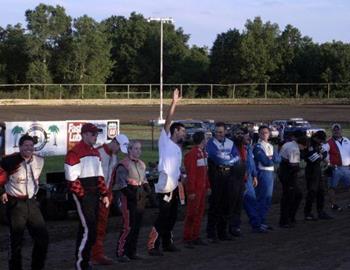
<point>161,20</point>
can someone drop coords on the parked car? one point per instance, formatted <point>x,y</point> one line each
<point>192,126</point>
<point>294,124</point>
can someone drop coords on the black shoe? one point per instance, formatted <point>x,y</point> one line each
<point>324,215</point>
<point>171,248</point>
<point>200,242</point>
<point>286,226</point>
<point>236,232</point>
<point>336,207</point>
<point>267,227</point>
<point>123,259</point>
<point>135,257</point>
<point>189,244</point>
<point>213,240</point>
<point>155,252</point>
<point>260,230</point>
<point>310,217</point>
<point>225,238</point>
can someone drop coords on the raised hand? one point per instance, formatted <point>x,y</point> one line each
<point>176,95</point>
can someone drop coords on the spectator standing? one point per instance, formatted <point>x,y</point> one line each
<point>338,148</point>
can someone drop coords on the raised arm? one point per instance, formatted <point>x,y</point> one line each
<point>169,118</point>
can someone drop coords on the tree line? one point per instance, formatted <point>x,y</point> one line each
<point>53,47</point>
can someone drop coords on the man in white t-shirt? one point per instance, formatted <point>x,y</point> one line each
<point>288,175</point>
<point>170,158</point>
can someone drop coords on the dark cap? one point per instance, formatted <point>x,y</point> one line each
<point>88,127</point>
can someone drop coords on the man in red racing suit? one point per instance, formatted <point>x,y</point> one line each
<point>196,188</point>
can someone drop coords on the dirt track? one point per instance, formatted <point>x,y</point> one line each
<point>142,114</point>
<point>321,245</point>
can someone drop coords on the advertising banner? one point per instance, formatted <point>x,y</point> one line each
<point>54,138</point>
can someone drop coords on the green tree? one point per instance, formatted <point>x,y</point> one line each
<point>259,51</point>
<point>225,58</point>
<point>90,60</point>
<point>14,58</point>
<point>47,25</point>
<point>289,46</point>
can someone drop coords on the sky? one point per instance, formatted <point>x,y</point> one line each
<point>322,20</point>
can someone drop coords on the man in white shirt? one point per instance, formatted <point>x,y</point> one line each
<point>170,158</point>
<point>338,148</point>
<point>288,174</point>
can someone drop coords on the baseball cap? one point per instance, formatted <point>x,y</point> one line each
<point>88,127</point>
<point>123,142</point>
<point>336,125</point>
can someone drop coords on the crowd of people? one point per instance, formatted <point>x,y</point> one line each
<point>234,173</point>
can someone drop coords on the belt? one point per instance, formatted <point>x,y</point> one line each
<point>21,198</point>
<point>224,168</point>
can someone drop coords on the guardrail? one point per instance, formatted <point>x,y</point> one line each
<point>150,91</point>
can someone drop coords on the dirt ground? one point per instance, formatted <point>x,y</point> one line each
<point>142,114</point>
<point>320,245</point>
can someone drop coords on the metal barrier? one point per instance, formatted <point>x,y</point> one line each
<point>151,91</point>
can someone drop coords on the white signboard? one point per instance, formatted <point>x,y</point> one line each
<point>55,137</point>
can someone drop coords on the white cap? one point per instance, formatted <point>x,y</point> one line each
<point>123,142</point>
<point>336,125</point>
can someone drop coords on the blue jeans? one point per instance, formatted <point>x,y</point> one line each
<point>340,174</point>
<point>250,204</point>
<point>263,193</point>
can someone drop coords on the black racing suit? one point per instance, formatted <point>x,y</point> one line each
<point>313,175</point>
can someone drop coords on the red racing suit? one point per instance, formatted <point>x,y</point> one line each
<point>198,183</point>
<point>109,161</point>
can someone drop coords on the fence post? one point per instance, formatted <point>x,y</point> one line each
<point>328,90</point>
<point>60,91</point>
<point>150,91</point>
<point>297,91</point>
<point>211,91</point>
<point>265,92</point>
<point>234,91</point>
<point>82,91</point>
<point>29,91</point>
<point>105,91</point>
<point>180,90</point>
<point>128,91</point>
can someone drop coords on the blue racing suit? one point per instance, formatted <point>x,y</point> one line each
<point>265,158</point>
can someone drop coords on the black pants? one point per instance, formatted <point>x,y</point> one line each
<point>87,208</point>
<point>165,221</point>
<point>22,214</point>
<point>291,193</point>
<point>237,187</point>
<point>132,219</point>
<point>225,201</point>
<point>315,188</point>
